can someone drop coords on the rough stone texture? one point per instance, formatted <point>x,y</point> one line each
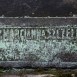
<point>38,53</point>
<point>38,21</point>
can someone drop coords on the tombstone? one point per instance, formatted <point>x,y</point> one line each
<point>40,42</point>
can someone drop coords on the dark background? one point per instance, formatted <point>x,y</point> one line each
<point>38,8</point>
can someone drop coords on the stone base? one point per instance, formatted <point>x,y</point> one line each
<point>25,64</point>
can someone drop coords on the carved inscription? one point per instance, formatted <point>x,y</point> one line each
<point>37,33</point>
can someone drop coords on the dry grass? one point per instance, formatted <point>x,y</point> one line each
<point>54,72</point>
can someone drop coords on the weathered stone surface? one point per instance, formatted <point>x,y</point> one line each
<point>38,21</point>
<point>38,42</point>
